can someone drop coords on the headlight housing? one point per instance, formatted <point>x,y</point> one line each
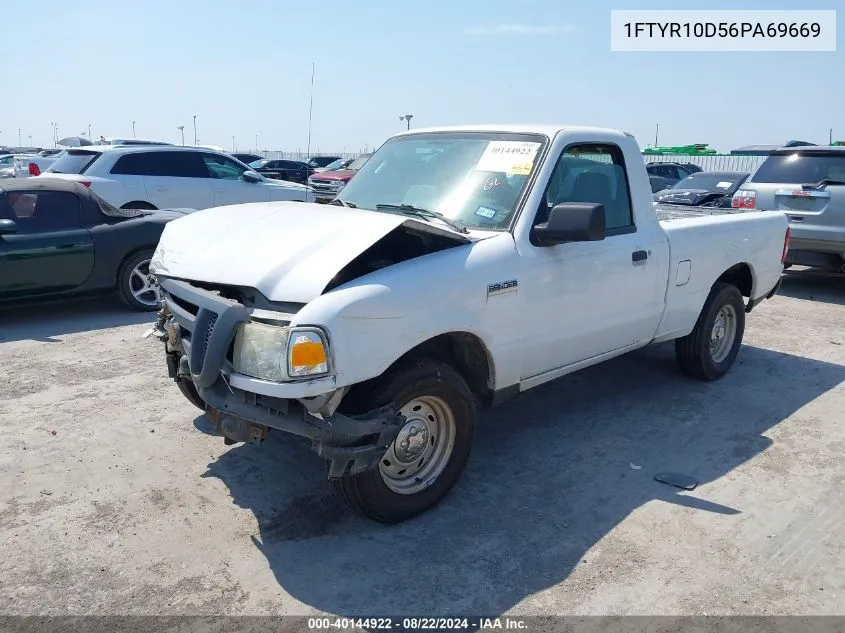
<point>271,352</point>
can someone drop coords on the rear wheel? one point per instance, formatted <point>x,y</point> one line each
<point>709,351</point>
<point>136,286</point>
<point>431,450</point>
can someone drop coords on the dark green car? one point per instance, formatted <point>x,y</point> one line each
<point>58,238</point>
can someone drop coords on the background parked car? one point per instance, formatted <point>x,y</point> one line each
<point>808,184</point>
<point>7,166</point>
<point>327,184</point>
<point>27,165</point>
<point>59,238</point>
<point>318,162</point>
<point>340,163</point>
<point>246,159</point>
<point>658,183</point>
<point>671,172</point>
<point>161,177</point>
<point>704,189</point>
<point>290,170</point>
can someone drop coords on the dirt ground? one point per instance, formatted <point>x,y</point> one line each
<point>116,499</point>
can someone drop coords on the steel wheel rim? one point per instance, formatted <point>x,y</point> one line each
<point>143,285</point>
<point>421,450</point>
<point>723,333</point>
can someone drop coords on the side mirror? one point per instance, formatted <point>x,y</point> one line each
<point>572,222</point>
<point>8,226</point>
<point>251,176</point>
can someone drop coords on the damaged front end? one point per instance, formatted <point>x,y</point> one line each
<point>198,326</point>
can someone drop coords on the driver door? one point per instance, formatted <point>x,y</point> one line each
<point>586,299</point>
<point>228,184</point>
<point>49,250</point>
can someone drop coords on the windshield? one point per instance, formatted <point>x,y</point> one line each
<point>710,182</point>
<point>473,178</point>
<point>338,164</point>
<point>73,161</point>
<point>802,167</point>
<point>258,164</point>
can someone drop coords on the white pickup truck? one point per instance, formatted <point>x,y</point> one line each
<point>459,267</point>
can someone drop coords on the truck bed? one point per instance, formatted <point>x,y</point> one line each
<point>669,212</point>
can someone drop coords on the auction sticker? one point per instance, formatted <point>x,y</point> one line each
<point>511,157</point>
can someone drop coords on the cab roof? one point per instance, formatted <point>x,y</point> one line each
<point>546,129</point>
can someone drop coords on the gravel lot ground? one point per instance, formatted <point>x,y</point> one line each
<point>118,500</point>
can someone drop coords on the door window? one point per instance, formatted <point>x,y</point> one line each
<point>222,168</point>
<point>174,164</point>
<point>592,173</point>
<point>41,211</point>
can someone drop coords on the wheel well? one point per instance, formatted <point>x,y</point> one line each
<point>144,205</point>
<point>739,276</point>
<point>134,251</point>
<point>462,351</point>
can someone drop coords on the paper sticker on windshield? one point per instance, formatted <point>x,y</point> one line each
<point>486,212</point>
<point>723,185</point>
<point>511,157</point>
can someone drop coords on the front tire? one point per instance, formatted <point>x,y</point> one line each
<point>429,454</point>
<point>136,287</point>
<point>709,351</point>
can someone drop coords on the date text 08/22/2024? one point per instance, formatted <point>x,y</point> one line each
<point>416,623</point>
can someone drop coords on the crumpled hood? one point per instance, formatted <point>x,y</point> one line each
<point>288,251</point>
<point>691,197</point>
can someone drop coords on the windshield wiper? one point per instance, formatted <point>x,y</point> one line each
<point>824,183</point>
<point>410,209</point>
<point>340,203</point>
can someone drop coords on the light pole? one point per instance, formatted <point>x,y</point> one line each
<point>310,109</point>
<point>181,129</point>
<point>89,132</point>
<point>407,118</point>
<point>256,143</point>
<point>233,144</point>
<point>20,141</point>
<point>133,129</point>
<point>30,140</point>
<point>195,130</point>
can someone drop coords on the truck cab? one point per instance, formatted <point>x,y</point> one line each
<point>460,267</point>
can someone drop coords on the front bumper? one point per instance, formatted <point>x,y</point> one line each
<point>244,408</point>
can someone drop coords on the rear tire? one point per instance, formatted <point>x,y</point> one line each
<point>137,204</point>
<point>135,286</point>
<point>709,351</point>
<point>430,453</point>
<point>189,390</point>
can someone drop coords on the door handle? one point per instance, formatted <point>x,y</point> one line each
<point>639,256</point>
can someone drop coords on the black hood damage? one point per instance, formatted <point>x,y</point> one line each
<point>404,243</point>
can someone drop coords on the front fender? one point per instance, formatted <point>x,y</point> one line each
<point>375,320</point>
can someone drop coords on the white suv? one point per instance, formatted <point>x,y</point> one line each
<point>170,177</point>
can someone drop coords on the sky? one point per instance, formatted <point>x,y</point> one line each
<point>245,70</point>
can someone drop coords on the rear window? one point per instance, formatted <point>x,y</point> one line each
<point>801,167</point>
<point>74,161</point>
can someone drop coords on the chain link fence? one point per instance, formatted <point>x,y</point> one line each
<point>711,162</point>
<point>304,156</point>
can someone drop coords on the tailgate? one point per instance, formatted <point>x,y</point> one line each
<point>793,182</point>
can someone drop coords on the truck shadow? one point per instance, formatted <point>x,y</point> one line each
<point>551,473</point>
<point>47,320</point>
<point>812,286</point>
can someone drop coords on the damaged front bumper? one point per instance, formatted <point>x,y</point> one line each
<point>198,327</point>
